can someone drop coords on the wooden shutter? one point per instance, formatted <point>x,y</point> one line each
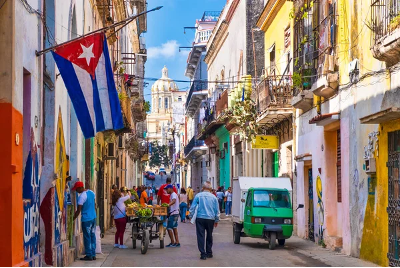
<point>339,168</point>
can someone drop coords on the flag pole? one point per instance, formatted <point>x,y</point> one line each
<point>122,22</point>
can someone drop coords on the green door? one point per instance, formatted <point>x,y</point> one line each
<point>275,165</point>
<point>247,213</point>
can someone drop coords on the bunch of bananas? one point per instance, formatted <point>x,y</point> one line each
<point>144,212</point>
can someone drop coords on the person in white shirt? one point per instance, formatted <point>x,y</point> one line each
<point>228,204</point>
<point>120,216</point>
<point>172,225</point>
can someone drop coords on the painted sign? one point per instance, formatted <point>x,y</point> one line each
<point>265,142</point>
<point>62,163</point>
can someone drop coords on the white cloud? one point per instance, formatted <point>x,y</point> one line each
<point>166,50</point>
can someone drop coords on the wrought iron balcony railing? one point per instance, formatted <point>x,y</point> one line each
<point>384,17</point>
<point>275,92</point>
<point>193,143</point>
<point>222,103</point>
<point>196,86</point>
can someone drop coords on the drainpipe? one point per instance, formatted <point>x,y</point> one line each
<point>262,163</point>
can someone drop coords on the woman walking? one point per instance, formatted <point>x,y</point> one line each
<point>120,217</point>
<point>228,205</point>
<point>183,204</point>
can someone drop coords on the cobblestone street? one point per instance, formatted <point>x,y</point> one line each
<point>250,252</point>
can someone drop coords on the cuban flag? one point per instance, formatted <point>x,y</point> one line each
<point>85,67</point>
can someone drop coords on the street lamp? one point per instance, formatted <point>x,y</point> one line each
<point>213,149</point>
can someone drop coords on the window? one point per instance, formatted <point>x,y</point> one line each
<point>272,58</point>
<point>166,103</point>
<point>248,200</point>
<point>339,168</point>
<point>159,103</point>
<point>271,199</point>
<point>180,98</point>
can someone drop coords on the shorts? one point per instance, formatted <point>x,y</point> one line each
<point>172,222</point>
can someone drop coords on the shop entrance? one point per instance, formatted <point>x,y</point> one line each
<point>310,206</point>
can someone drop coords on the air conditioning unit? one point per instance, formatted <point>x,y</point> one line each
<point>370,165</point>
<point>111,153</point>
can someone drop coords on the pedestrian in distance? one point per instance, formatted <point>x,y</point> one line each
<point>205,210</point>
<point>172,226</point>
<point>183,205</point>
<point>190,195</point>
<point>228,204</point>
<point>113,188</point>
<point>87,207</point>
<point>120,217</point>
<point>150,195</point>
<point>143,196</point>
<point>220,197</point>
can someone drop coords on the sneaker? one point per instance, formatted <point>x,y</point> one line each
<point>94,258</point>
<point>122,247</point>
<point>170,245</point>
<point>203,258</point>
<point>209,256</point>
<point>116,245</point>
<point>177,245</point>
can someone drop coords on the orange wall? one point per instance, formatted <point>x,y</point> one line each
<point>11,208</point>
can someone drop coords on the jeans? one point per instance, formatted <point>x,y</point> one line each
<point>172,222</point>
<point>182,210</point>
<point>89,237</point>
<point>228,208</point>
<point>202,226</point>
<point>121,225</point>
<point>220,201</point>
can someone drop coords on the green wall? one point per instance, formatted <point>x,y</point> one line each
<point>224,164</point>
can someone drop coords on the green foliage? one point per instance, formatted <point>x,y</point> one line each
<point>146,106</point>
<point>297,80</point>
<point>394,23</point>
<point>159,155</point>
<point>244,114</point>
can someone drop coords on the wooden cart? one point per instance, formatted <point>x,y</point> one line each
<point>147,229</point>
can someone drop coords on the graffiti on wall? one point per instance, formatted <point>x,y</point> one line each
<point>321,212</point>
<point>31,201</point>
<point>373,145</point>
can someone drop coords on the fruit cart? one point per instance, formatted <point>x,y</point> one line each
<point>146,227</point>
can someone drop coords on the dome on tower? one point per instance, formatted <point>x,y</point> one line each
<point>164,83</point>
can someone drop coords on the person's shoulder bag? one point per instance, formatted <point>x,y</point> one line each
<point>126,217</point>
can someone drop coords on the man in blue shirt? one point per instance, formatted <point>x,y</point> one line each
<point>87,206</point>
<point>207,217</point>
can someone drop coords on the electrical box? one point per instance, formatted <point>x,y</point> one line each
<point>370,165</point>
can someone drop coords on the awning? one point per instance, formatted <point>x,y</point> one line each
<point>303,157</point>
<point>269,50</point>
<point>325,119</point>
<point>383,116</point>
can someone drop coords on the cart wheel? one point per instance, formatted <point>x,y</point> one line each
<point>145,242</point>
<point>161,243</point>
<point>134,235</point>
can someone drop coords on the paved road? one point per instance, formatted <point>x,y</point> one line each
<point>250,252</point>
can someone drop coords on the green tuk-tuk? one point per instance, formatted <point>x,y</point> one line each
<point>263,212</point>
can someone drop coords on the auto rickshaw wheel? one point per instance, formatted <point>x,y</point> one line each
<point>236,235</point>
<point>272,241</point>
<point>281,242</point>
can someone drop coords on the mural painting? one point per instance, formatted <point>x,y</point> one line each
<point>31,201</point>
<point>321,213</point>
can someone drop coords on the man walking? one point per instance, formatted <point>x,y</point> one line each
<point>207,218</point>
<point>172,225</point>
<point>86,206</point>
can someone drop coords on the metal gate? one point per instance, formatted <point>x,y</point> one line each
<point>310,206</point>
<point>100,194</point>
<point>394,198</point>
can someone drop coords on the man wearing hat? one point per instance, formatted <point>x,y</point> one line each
<point>87,207</point>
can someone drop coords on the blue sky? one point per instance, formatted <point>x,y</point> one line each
<point>165,35</point>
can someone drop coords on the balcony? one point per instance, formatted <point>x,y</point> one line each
<point>197,93</point>
<point>385,23</point>
<point>275,95</point>
<point>221,105</point>
<point>195,148</point>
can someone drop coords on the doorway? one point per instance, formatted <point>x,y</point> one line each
<point>394,196</point>
<point>100,195</point>
<point>311,236</point>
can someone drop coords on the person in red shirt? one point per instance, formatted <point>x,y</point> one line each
<point>162,194</point>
